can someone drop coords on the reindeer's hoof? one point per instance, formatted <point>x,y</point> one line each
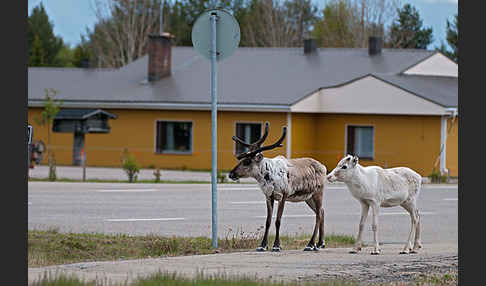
<point>355,250</point>
<point>310,248</point>
<point>413,251</point>
<point>321,246</point>
<point>276,249</point>
<point>261,248</point>
<point>375,252</point>
<point>404,252</point>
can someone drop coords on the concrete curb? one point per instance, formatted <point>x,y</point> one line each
<point>101,173</point>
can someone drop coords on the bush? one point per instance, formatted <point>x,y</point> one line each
<point>131,167</point>
<point>221,177</point>
<point>436,177</point>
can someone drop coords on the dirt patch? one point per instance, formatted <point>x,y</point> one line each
<point>290,265</point>
<point>379,272</point>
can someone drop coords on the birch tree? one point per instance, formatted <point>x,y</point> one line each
<point>349,23</point>
<point>274,23</point>
<point>120,35</point>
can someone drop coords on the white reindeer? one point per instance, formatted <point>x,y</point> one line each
<point>283,179</point>
<point>376,187</point>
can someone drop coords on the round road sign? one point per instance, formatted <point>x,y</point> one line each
<point>227,34</point>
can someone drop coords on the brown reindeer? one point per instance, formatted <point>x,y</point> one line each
<point>282,179</point>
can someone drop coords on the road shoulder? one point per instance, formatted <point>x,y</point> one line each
<point>290,265</point>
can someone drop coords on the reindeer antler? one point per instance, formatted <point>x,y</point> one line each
<point>264,148</point>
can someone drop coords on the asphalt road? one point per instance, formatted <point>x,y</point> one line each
<point>185,210</point>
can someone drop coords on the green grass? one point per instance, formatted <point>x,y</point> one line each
<point>51,247</point>
<point>63,280</point>
<point>223,280</point>
<point>447,279</point>
<point>173,279</point>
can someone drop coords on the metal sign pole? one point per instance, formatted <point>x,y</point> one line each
<point>214,128</point>
<point>30,134</point>
<point>212,23</point>
<point>84,164</point>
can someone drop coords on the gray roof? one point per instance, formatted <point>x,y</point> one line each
<point>251,76</point>
<point>438,89</point>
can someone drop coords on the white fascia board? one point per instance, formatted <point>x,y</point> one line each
<point>452,111</point>
<point>367,95</point>
<point>436,65</point>
<point>169,106</point>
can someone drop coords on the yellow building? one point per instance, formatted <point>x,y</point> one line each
<point>389,107</point>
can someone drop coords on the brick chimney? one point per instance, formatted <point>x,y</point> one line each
<point>160,58</point>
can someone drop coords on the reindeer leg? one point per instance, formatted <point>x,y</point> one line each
<point>320,243</point>
<point>364,215</point>
<point>417,243</point>
<point>411,210</point>
<point>314,206</point>
<point>281,205</point>
<point>264,245</point>
<point>375,208</point>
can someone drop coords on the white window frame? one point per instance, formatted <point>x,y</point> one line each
<point>346,139</point>
<point>191,152</point>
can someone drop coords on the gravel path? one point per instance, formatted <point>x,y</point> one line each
<point>290,265</point>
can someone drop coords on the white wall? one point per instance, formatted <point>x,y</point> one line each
<point>368,95</point>
<point>436,65</point>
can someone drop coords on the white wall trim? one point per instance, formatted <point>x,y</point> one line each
<point>443,145</point>
<point>289,135</point>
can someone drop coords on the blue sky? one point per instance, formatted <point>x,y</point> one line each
<point>72,17</point>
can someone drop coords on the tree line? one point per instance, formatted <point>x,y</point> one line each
<point>120,34</point>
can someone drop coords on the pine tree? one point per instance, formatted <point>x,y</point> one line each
<point>38,24</point>
<point>453,38</point>
<point>407,31</point>
<point>37,57</point>
<point>82,54</point>
<point>65,56</point>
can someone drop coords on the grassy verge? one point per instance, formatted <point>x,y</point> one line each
<point>67,180</point>
<point>52,247</point>
<point>173,279</point>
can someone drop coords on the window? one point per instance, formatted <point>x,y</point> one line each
<point>360,141</point>
<point>173,137</point>
<point>248,132</point>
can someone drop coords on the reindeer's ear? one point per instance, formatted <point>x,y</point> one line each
<point>258,157</point>
<point>355,160</point>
